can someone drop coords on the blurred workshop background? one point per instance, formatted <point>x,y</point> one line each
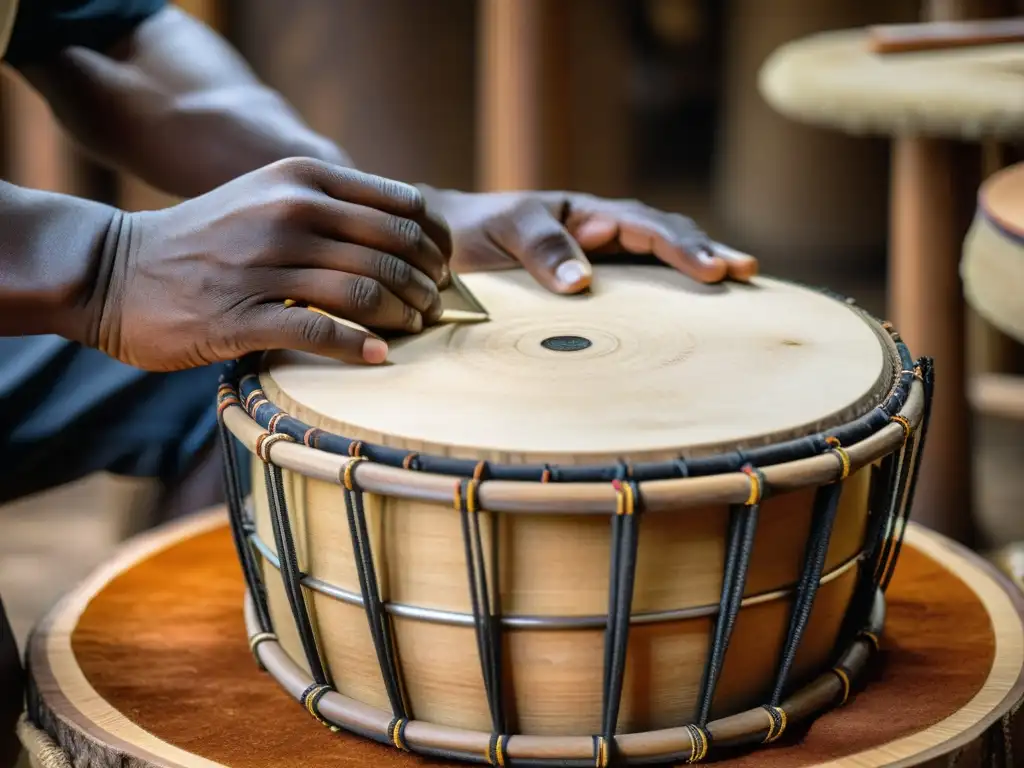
<point>652,99</point>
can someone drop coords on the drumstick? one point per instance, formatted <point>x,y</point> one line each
<point>935,36</point>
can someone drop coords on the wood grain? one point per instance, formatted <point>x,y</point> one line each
<point>672,367</point>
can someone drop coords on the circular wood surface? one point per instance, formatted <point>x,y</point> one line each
<point>671,365</point>
<point>834,79</point>
<point>147,664</point>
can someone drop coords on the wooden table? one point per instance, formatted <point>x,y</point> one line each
<point>147,664</point>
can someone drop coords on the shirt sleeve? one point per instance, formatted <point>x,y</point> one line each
<point>43,28</point>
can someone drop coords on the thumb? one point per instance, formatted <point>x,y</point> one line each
<point>308,329</point>
<point>531,235</point>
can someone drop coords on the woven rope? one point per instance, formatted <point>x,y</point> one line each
<point>41,749</point>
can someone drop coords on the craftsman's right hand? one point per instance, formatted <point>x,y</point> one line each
<point>207,280</point>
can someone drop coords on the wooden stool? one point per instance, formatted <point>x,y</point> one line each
<point>147,664</point>
<point>928,103</point>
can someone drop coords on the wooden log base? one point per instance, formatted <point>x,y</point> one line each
<point>147,664</point>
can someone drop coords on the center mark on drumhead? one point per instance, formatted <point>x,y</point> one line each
<point>566,343</point>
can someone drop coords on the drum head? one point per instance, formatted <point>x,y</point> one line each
<point>646,366</point>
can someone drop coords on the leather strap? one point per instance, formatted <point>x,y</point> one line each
<point>8,11</point>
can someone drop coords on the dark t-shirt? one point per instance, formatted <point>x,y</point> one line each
<point>43,27</point>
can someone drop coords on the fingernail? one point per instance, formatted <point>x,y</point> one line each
<point>571,273</point>
<point>706,255</point>
<point>417,323</point>
<point>374,350</point>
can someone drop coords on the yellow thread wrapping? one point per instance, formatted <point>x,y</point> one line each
<point>781,727</point>
<point>499,752</point>
<point>625,501</point>
<point>308,703</point>
<point>845,680</point>
<point>771,727</point>
<point>872,638</point>
<point>471,490</point>
<point>265,441</point>
<point>350,467</point>
<point>773,734</point>
<point>396,735</point>
<point>755,489</point>
<point>844,461</point>
<point>698,744</point>
<point>902,421</point>
<point>458,497</point>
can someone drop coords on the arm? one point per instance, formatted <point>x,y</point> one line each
<point>174,104</point>
<point>52,247</point>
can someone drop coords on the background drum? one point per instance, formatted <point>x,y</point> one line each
<point>992,266</point>
<point>631,525</point>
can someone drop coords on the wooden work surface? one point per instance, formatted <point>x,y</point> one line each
<point>148,661</point>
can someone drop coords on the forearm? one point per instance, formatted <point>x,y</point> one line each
<point>51,249</point>
<point>175,105</point>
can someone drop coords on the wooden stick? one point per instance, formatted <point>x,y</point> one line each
<point>944,35</point>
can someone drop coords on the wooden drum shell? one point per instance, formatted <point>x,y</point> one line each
<point>754,569</point>
<point>554,675</point>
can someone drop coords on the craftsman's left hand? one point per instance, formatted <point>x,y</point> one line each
<point>552,233</point>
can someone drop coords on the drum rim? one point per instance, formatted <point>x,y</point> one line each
<point>744,729</point>
<point>283,388</point>
<point>240,385</point>
<point>1008,229</point>
<point>726,478</point>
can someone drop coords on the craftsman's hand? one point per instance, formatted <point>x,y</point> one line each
<point>551,234</point>
<point>206,280</point>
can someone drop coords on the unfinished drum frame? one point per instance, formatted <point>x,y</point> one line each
<point>889,438</point>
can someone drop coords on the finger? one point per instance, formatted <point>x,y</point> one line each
<point>400,277</point>
<point>387,195</point>
<point>371,228</point>
<point>674,240</point>
<point>274,326</point>
<point>538,241</point>
<point>742,267</point>
<point>595,233</point>
<point>351,297</point>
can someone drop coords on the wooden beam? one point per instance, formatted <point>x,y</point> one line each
<point>522,79</point>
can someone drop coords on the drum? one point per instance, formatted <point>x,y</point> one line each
<point>653,522</point>
<point>992,265</point>
<point>145,664</point>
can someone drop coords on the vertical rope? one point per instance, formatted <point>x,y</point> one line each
<point>826,503</point>
<point>622,575</point>
<point>236,515</point>
<point>486,619</point>
<point>286,553</point>
<point>926,370</point>
<point>377,617</point>
<point>739,547</point>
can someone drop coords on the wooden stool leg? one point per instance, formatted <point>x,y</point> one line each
<point>927,308</point>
